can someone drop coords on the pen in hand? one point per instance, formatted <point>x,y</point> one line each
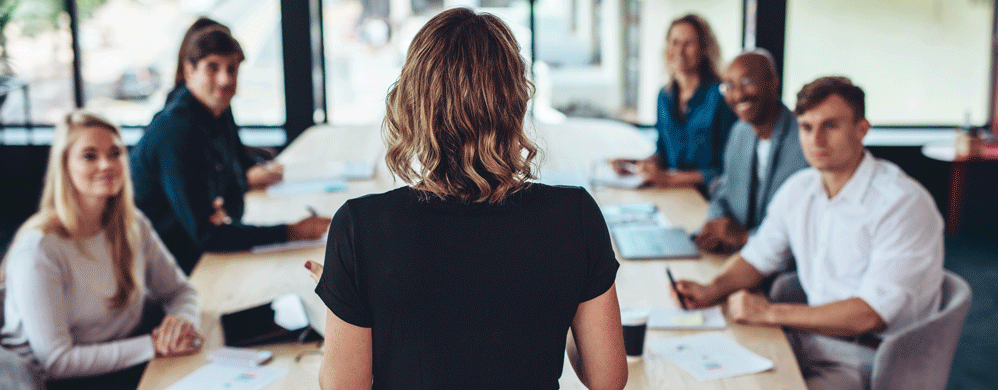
<point>682,302</point>
<point>312,211</point>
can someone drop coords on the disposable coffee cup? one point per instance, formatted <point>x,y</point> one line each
<point>635,324</point>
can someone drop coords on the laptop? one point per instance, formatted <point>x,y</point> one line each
<point>653,241</point>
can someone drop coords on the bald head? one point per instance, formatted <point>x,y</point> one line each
<point>751,89</point>
<point>758,59</point>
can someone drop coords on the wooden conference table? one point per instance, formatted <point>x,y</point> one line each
<point>234,281</point>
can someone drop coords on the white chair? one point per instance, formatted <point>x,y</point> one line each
<point>917,357</point>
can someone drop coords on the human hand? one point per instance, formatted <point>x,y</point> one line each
<point>624,167</point>
<point>722,235</point>
<point>263,175</point>
<point>694,294</point>
<point>314,270</point>
<point>220,217</point>
<point>176,336</point>
<point>749,308</point>
<point>309,228</point>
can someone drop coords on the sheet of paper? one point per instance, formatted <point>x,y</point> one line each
<point>676,318</point>
<point>634,213</point>
<point>214,376</point>
<point>604,175</point>
<point>288,188</point>
<point>290,245</point>
<point>712,355</point>
<point>329,169</point>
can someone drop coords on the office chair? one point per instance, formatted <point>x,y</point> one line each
<point>917,357</point>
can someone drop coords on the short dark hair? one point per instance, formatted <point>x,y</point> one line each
<point>198,26</point>
<point>212,40</point>
<point>817,91</point>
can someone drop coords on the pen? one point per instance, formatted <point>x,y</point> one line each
<point>673,282</point>
<point>312,211</point>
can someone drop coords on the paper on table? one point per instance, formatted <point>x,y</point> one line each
<point>287,188</point>
<point>634,213</point>
<point>709,356</point>
<point>290,245</point>
<point>604,175</point>
<point>217,376</point>
<point>673,318</point>
<point>312,170</point>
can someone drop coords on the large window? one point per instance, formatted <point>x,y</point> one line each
<point>921,62</point>
<point>366,42</point>
<point>129,56</point>
<point>36,57</point>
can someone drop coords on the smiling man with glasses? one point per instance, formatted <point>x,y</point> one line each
<point>763,150</point>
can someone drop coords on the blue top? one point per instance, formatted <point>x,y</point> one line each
<point>696,143</point>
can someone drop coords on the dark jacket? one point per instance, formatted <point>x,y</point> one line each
<point>186,159</point>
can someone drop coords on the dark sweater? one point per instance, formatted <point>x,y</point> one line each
<point>186,159</point>
<point>463,296</point>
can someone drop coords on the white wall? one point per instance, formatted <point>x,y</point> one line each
<point>919,61</point>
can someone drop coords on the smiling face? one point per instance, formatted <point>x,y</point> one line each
<point>96,162</point>
<point>831,136</point>
<point>683,53</point>
<point>750,89</point>
<point>213,80</point>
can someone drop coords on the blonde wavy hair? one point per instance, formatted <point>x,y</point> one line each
<point>457,111</point>
<point>59,211</point>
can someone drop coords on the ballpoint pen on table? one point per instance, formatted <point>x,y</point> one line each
<point>672,281</point>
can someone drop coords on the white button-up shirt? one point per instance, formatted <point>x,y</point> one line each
<point>880,239</point>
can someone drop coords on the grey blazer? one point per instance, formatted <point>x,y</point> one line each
<point>731,196</point>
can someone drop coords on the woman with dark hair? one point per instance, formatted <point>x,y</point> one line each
<point>693,119</point>
<point>199,25</point>
<point>191,169</point>
<point>80,271</point>
<point>471,276</point>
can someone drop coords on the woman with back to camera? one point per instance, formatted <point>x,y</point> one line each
<point>471,277</point>
<point>693,119</point>
<point>81,271</point>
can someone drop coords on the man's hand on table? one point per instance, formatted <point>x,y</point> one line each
<point>722,235</point>
<point>749,308</point>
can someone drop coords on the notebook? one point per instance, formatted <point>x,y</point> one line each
<point>278,321</point>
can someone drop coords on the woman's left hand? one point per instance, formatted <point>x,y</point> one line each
<point>176,336</point>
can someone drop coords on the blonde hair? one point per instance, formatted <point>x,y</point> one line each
<point>710,65</point>
<point>59,212</point>
<point>458,109</point>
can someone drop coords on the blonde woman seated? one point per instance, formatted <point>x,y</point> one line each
<point>80,271</point>
<point>471,277</point>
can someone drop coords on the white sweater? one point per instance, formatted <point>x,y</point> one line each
<point>57,310</point>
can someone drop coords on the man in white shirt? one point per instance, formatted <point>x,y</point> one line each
<point>868,242</point>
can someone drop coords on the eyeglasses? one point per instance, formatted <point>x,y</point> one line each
<point>743,83</point>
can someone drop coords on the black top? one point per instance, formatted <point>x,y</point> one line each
<point>185,159</point>
<point>463,296</point>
